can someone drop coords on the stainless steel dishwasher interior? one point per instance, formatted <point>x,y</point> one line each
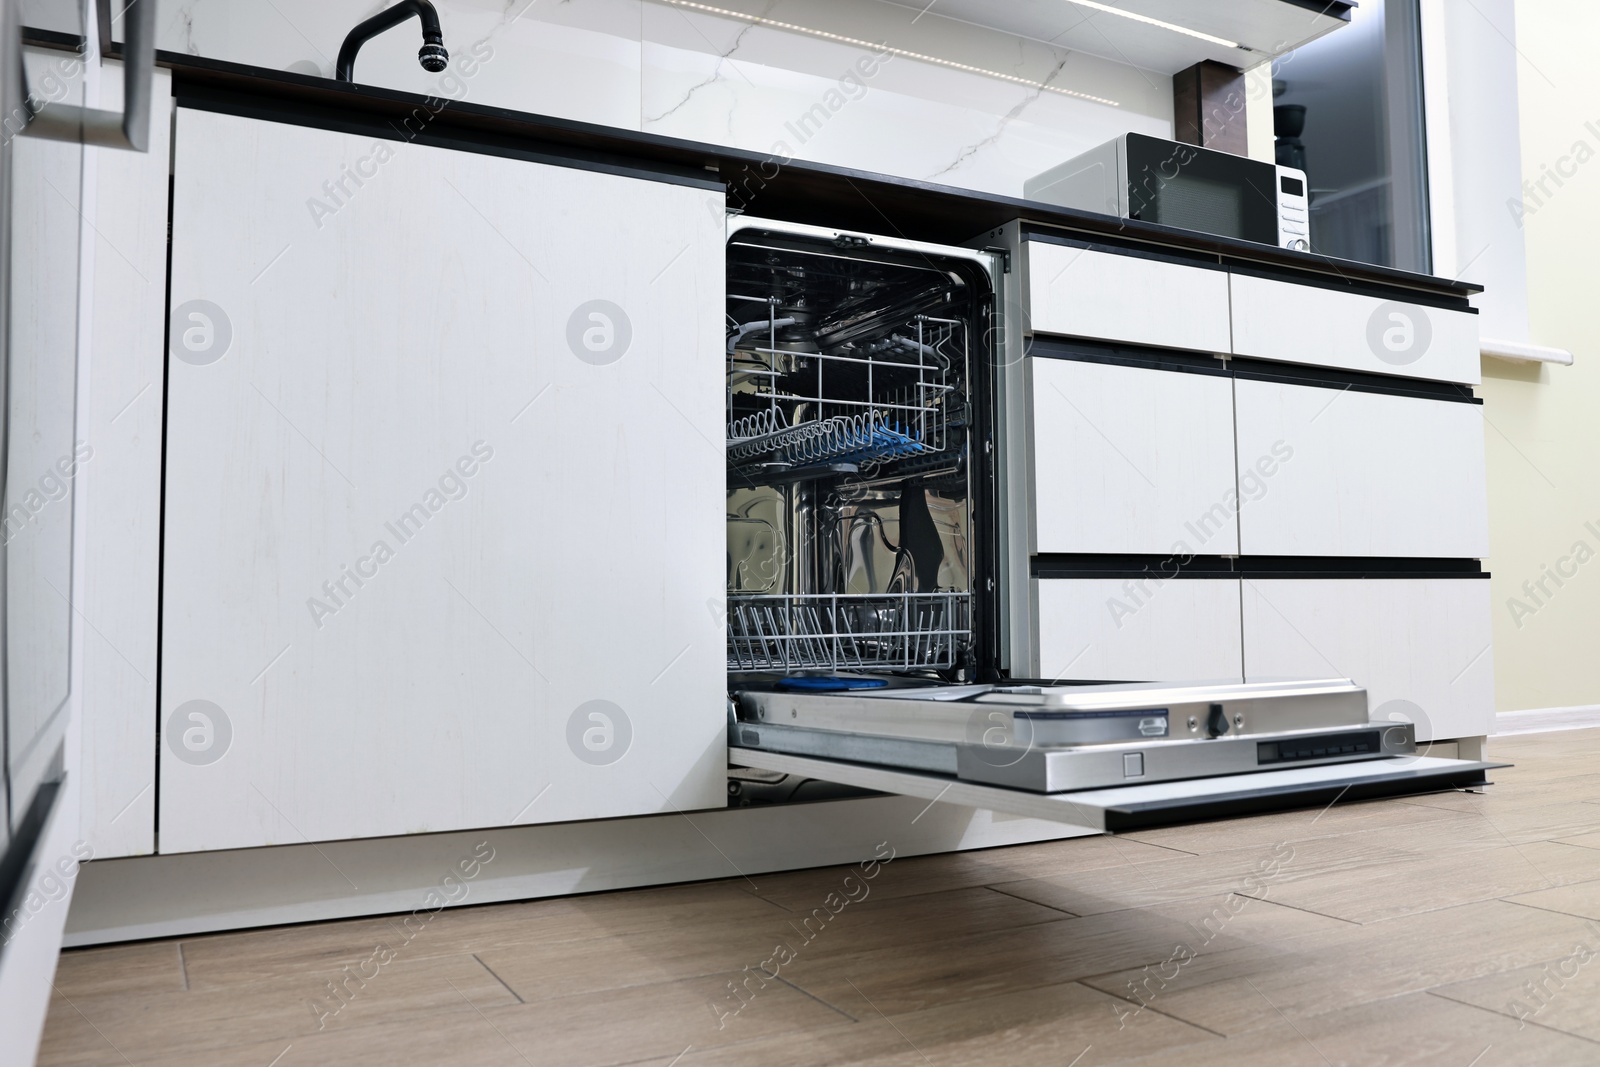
<point>850,497</point>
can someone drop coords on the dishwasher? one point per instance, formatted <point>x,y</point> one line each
<point>864,555</point>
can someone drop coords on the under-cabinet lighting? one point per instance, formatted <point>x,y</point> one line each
<point>1148,21</point>
<point>883,48</point>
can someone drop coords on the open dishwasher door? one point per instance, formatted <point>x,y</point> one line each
<point>1100,757</point>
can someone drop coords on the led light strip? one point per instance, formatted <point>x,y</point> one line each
<point>883,48</point>
<point>1148,21</point>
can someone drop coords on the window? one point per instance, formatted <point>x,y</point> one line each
<point>1348,111</point>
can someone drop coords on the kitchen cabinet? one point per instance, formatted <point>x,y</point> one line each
<point>1338,472</point>
<point>122,515</point>
<point>1118,462</point>
<point>1133,629</point>
<point>1083,292</point>
<point>1131,460</point>
<point>443,528</point>
<point>1326,327</point>
<point>1420,647</point>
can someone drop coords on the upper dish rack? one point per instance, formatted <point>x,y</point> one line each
<point>795,411</point>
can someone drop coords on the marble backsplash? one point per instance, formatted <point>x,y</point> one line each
<point>868,84</point>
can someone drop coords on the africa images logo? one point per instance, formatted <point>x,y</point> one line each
<point>599,732</point>
<point>1399,334</point>
<point>199,732</point>
<point>599,332</point>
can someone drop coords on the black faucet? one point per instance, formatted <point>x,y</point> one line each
<point>432,55</point>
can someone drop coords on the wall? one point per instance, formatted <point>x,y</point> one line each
<point>1542,443</point>
<point>671,68</point>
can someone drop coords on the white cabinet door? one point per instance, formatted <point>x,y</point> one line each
<point>1329,328</point>
<point>1079,292</point>
<point>1421,647</point>
<point>1139,630</point>
<point>1129,460</point>
<point>1329,472</point>
<point>443,539</point>
<point>122,520</point>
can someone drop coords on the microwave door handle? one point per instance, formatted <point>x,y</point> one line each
<point>93,126</point>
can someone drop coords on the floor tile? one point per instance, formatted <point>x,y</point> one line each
<point>152,1026</point>
<point>1412,931</point>
<point>1562,993</point>
<point>1413,1031</point>
<point>1441,879</point>
<point>1338,968</point>
<point>147,967</point>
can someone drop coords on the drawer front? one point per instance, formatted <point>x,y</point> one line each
<point>1328,328</point>
<point>1132,460</point>
<point>1076,292</point>
<point>1330,473</point>
<point>1421,647</point>
<point>1131,630</point>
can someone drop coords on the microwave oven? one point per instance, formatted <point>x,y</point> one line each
<point>1183,185</point>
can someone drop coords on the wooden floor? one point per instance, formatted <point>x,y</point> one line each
<point>1457,930</point>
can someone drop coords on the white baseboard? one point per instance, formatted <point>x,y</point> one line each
<point>1547,720</point>
<point>203,892</point>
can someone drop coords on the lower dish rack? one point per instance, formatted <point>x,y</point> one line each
<point>847,631</point>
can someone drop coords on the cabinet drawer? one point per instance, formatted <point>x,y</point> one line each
<point>1330,328</point>
<point>1421,647</point>
<point>1114,629</point>
<point>1131,460</point>
<point>1077,292</point>
<point>1330,473</point>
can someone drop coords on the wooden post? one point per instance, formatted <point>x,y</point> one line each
<point>1208,107</point>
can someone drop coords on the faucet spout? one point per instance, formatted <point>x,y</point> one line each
<point>432,55</point>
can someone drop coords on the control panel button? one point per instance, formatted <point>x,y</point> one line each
<point>1217,721</point>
